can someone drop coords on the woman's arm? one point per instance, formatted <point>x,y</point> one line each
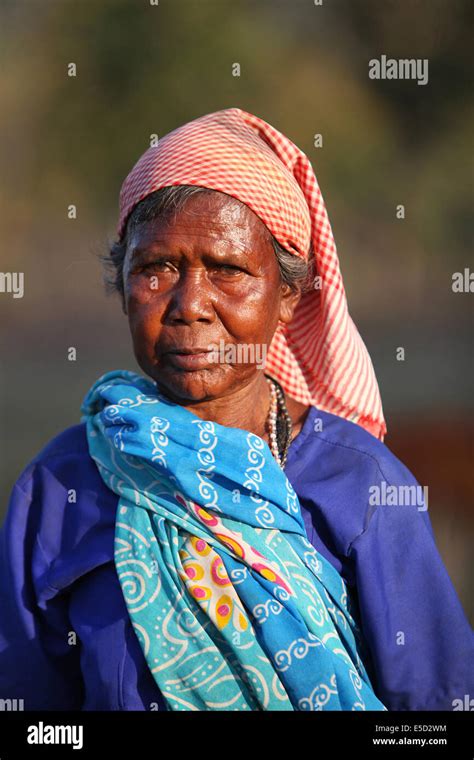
<point>39,664</point>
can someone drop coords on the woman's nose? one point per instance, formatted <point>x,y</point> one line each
<point>191,298</point>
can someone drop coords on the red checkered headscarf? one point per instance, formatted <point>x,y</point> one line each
<point>319,358</point>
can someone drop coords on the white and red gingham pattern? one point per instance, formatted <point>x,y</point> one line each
<point>320,357</point>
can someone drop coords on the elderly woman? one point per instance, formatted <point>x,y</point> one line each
<point>206,538</point>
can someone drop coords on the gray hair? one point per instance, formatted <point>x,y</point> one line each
<point>294,271</point>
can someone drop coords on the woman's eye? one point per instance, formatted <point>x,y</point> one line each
<point>154,266</point>
<point>228,268</point>
<point>164,265</point>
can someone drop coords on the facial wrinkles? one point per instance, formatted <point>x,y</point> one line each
<point>195,252</point>
<point>241,308</point>
<point>219,243</point>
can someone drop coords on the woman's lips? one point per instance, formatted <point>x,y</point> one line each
<point>190,361</point>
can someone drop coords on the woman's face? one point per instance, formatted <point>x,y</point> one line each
<point>203,278</point>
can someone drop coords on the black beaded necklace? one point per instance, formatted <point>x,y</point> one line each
<point>278,422</point>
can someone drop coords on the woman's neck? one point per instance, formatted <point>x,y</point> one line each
<point>245,407</point>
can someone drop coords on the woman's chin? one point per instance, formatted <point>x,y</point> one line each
<point>186,385</point>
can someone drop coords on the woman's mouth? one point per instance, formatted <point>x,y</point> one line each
<point>190,359</point>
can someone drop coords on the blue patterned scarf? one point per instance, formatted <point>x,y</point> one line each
<point>233,607</point>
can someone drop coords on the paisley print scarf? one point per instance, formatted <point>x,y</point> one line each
<point>233,607</point>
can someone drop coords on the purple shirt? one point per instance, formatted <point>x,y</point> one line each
<point>66,641</point>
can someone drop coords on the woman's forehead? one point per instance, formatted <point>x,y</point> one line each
<point>215,217</point>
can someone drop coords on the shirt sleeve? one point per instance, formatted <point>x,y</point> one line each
<point>39,661</point>
<point>421,642</point>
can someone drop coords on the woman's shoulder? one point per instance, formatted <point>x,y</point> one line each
<point>63,472</point>
<point>341,474</point>
<point>63,453</point>
<point>61,513</point>
<point>342,444</point>
<point>71,442</point>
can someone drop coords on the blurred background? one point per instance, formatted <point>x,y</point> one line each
<point>144,69</point>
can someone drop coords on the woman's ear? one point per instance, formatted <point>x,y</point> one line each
<point>289,300</point>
